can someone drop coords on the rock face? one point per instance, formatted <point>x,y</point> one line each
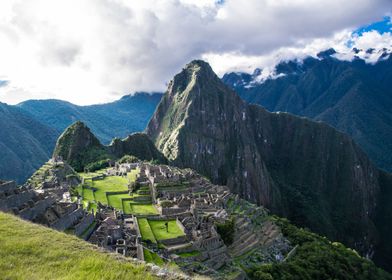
<point>354,97</point>
<point>78,146</point>
<point>138,145</point>
<point>306,171</point>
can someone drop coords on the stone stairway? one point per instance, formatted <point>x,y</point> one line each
<point>269,233</point>
<point>245,239</point>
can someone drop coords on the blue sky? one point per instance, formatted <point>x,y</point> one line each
<point>382,26</point>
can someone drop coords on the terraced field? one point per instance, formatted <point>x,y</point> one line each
<point>114,191</point>
<point>156,230</point>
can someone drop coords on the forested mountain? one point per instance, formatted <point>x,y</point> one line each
<point>25,143</point>
<point>354,97</point>
<point>117,119</point>
<point>28,131</point>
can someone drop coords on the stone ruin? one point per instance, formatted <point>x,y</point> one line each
<point>182,195</point>
<point>44,206</point>
<point>117,233</point>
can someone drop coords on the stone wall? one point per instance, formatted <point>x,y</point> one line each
<point>38,208</point>
<point>84,224</point>
<point>173,210</point>
<point>6,186</point>
<point>175,241</point>
<point>15,200</point>
<point>68,220</point>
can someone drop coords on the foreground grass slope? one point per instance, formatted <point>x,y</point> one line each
<point>29,251</point>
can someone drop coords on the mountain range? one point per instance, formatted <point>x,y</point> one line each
<point>29,130</point>
<point>301,169</point>
<point>304,170</point>
<point>355,97</point>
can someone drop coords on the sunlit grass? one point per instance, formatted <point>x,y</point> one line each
<point>29,251</point>
<point>160,231</point>
<point>145,230</point>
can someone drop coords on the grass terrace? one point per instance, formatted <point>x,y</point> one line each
<point>145,230</point>
<point>30,251</point>
<point>114,191</point>
<point>156,230</point>
<point>152,257</point>
<point>159,229</point>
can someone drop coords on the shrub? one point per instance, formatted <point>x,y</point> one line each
<point>97,165</point>
<point>128,159</point>
<point>226,231</point>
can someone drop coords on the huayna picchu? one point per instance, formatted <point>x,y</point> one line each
<point>301,169</point>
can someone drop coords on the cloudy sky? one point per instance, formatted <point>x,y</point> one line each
<point>93,51</point>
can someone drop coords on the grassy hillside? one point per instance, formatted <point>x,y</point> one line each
<point>29,251</point>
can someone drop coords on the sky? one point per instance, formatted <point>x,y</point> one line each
<point>95,51</point>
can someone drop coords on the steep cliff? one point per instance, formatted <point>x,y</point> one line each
<point>353,96</point>
<point>138,145</point>
<point>304,170</point>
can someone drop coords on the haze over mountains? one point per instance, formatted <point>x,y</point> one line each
<point>29,130</point>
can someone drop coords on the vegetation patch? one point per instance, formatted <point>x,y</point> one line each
<point>161,232</point>
<point>226,231</point>
<point>114,191</point>
<point>152,257</point>
<point>35,252</point>
<point>189,254</point>
<point>318,258</point>
<point>145,230</point>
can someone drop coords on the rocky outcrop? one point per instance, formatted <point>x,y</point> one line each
<point>304,170</point>
<point>138,145</point>
<point>79,147</point>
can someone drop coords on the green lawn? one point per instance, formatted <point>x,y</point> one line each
<point>159,229</point>
<point>152,257</point>
<point>115,200</point>
<point>143,209</point>
<point>113,184</point>
<point>145,230</point>
<point>30,251</point>
<point>189,254</point>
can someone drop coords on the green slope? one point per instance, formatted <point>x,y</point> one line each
<point>25,143</point>
<point>29,251</point>
<point>79,147</point>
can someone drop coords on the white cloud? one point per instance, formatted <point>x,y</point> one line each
<point>96,50</point>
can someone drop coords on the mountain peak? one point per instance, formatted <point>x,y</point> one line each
<point>199,65</point>
<point>266,157</point>
<point>195,72</point>
<point>77,145</point>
